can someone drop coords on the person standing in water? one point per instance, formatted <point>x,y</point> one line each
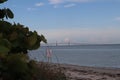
<point>49,54</point>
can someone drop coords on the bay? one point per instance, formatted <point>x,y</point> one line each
<point>107,55</point>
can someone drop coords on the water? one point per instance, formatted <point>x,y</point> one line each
<point>84,55</point>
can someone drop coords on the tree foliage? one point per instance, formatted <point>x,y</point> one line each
<point>15,41</point>
<point>19,38</point>
<point>16,67</point>
<point>16,38</point>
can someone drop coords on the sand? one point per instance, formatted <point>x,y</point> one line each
<point>74,72</point>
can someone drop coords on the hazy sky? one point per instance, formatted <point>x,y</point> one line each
<point>79,21</point>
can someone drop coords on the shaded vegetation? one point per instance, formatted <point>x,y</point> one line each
<point>14,67</point>
<point>50,72</point>
<point>18,39</point>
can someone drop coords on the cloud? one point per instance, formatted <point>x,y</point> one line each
<point>56,1</point>
<point>66,40</point>
<point>117,18</point>
<point>80,1</point>
<point>31,9</point>
<point>55,6</point>
<point>39,4</point>
<point>69,5</point>
<point>68,1</point>
<point>83,35</point>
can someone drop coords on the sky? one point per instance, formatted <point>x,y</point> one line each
<point>75,21</point>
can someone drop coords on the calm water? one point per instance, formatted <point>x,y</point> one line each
<point>84,55</point>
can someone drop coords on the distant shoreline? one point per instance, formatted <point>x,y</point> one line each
<point>53,45</point>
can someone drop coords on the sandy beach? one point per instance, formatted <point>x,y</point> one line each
<point>75,72</point>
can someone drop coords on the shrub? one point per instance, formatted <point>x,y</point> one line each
<point>50,72</point>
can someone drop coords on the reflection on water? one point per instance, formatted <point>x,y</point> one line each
<point>85,55</point>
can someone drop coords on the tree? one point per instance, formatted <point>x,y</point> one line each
<point>6,12</point>
<point>14,40</point>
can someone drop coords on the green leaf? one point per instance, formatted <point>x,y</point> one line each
<point>10,13</point>
<point>2,13</point>
<point>43,39</point>
<point>2,1</point>
<point>25,30</point>
<point>4,49</point>
<point>5,43</point>
<point>34,47</point>
<point>13,36</point>
<point>32,39</point>
<point>1,35</point>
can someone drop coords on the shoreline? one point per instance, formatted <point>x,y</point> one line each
<point>76,72</point>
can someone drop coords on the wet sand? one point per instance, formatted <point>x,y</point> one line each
<point>74,72</point>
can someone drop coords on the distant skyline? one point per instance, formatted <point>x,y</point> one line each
<point>77,21</point>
